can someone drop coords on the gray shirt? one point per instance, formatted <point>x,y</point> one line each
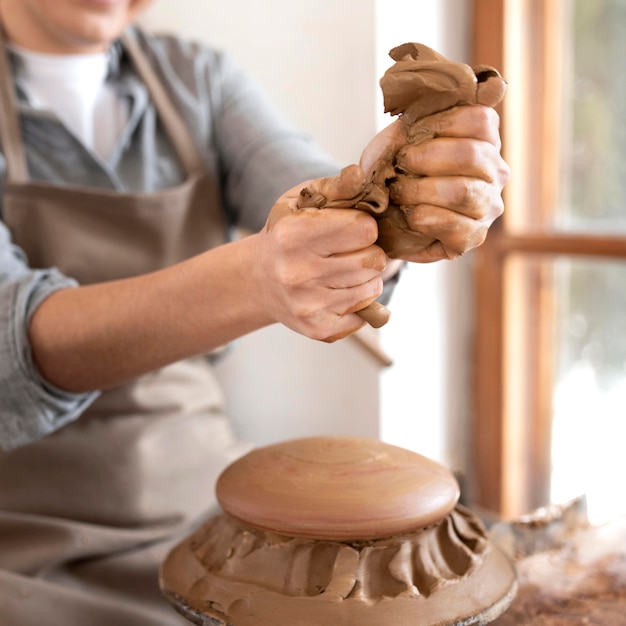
<point>254,153</point>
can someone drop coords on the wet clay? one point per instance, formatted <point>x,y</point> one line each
<point>242,569</point>
<point>420,84</point>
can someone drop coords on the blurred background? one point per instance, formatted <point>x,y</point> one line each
<point>508,365</point>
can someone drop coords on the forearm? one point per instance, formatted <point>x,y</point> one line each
<point>29,408</point>
<point>98,336</point>
<point>309,270</point>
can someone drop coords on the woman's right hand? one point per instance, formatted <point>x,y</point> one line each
<point>308,269</point>
<point>316,268</point>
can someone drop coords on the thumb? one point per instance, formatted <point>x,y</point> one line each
<point>342,190</point>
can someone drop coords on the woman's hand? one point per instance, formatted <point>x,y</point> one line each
<point>317,267</point>
<point>450,185</point>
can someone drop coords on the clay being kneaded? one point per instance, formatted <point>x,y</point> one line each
<point>419,84</point>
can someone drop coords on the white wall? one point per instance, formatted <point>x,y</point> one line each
<point>315,58</point>
<point>425,395</point>
<point>320,61</point>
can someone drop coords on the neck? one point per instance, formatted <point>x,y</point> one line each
<point>40,35</point>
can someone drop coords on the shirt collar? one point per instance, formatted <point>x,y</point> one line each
<point>115,53</point>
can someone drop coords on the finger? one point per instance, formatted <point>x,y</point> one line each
<point>348,269</point>
<point>327,232</point>
<point>360,296</point>
<point>431,253</point>
<point>346,325</point>
<point>331,328</point>
<point>343,187</point>
<point>446,156</point>
<point>339,316</point>
<point>383,146</point>
<point>476,122</point>
<point>457,233</point>
<point>375,314</point>
<point>317,193</point>
<point>472,197</point>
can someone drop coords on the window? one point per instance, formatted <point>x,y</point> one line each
<point>549,413</point>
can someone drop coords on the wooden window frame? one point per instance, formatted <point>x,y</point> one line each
<point>510,468</point>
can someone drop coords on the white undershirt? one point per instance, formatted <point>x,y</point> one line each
<point>75,88</point>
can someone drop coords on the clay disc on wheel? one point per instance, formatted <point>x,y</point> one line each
<point>340,488</point>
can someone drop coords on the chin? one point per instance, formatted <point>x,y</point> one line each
<point>94,33</point>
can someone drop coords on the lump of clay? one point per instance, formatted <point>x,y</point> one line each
<point>342,531</point>
<point>419,84</point>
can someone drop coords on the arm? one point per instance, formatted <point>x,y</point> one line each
<point>57,339</point>
<point>30,407</point>
<point>310,271</point>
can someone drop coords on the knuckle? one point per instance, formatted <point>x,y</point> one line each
<point>306,314</point>
<point>480,234</point>
<point>498,208</point>
<point>282,233</point>
<point>504,172</point>
<point>471,152</point>
<point>466,194</point>
<point>287,276</point>
<point>483,117</point>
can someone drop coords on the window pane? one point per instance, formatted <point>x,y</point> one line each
<point>589,402</point>
<point>593,160</point>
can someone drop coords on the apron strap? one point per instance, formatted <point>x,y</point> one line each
<point>175,127</point>
<point>10,134</point>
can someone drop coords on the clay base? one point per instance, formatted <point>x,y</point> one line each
<point>229,575</point>
<point>201,619</point>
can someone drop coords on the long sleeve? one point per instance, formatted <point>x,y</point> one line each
<point>30,408</point>
<point>255,153</point>
<point>262,154</point>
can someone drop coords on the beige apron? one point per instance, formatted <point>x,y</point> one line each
<point>87,513</point>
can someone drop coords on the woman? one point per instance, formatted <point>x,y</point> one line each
<point>126,159</point>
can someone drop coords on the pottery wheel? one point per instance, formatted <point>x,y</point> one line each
<point>343,531</point>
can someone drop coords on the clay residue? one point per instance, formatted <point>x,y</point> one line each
<point>240,575</point>
<point>579,581</point>
<point>420,83</point>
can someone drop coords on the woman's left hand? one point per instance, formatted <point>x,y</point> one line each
<point>451,185</point>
